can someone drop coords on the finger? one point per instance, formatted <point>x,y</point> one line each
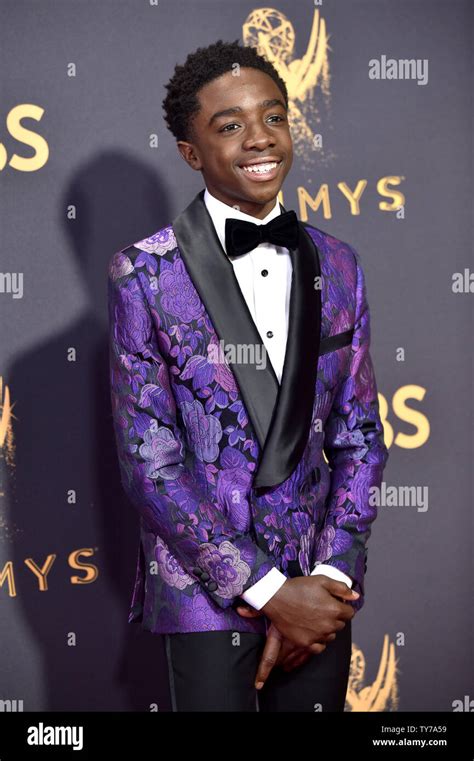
<point>346,612</point>
<point>274,632</point>
<point>287,648</point>
<point>294,655</point>
<point>317,647</point>
<point>268,659</point>
<point>286,645</point>
<point>298,654</point>
<point>298,657</point>
<point>295,652</point>
<point>343,612</point>
<point>302,659</point>
<point>297,661</point>
<point>340,589</point>
<point>249,612</point>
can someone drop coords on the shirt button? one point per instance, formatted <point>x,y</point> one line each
<point>269,334</point>
<point>264,273</point>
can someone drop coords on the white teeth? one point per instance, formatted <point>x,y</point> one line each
<point>261,168</point>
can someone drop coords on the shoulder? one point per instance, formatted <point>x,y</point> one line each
<point>142,252</point>
<point>330,247</point>
<point>339,261</point>
<point>341,266</point>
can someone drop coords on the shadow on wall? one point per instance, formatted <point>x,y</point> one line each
<point>64,441</point>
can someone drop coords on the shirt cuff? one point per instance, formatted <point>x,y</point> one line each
<point>260,593</point>
<point>334,573</point>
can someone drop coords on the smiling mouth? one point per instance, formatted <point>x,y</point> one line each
<point>263,171</point>
<point>260,168</point>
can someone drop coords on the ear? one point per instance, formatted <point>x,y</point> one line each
<point>188,153</point>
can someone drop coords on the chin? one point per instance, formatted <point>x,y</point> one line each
<point>262,194</point>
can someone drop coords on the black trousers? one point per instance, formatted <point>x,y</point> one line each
<point>215,671</point>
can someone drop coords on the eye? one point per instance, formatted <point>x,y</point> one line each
<point>224,129</point>
<point>233,124</point>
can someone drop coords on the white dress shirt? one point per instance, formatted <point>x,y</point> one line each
<point>264,276</point>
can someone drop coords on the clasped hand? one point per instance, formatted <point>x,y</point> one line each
<point>306,613</point>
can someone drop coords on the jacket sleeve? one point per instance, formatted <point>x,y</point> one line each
<point>357,455</point>
<point>154,467</point>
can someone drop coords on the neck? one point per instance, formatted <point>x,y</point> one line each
<point>252,208</point>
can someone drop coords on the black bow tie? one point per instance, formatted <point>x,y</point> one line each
<point>242,236</point>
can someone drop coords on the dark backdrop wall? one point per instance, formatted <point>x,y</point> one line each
<point>382,125</point>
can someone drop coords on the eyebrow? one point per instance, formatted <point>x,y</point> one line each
<point>238,110</point>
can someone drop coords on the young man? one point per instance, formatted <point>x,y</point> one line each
<point>239,351</point>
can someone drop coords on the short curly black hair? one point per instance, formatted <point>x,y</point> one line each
<point>205,64</point>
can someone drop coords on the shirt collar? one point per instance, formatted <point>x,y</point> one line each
<point>220,211</point>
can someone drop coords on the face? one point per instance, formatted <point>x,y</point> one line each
<point>242,122</point>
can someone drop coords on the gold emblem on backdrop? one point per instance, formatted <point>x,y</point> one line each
<point>7,453</point>
<point>307,80</point>
<point>273,36</point>
<point>382,694</point>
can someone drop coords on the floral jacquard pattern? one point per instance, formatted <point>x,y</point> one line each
<point>188,453</point>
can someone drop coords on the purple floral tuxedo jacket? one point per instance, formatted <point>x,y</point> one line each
<point>224,465</point>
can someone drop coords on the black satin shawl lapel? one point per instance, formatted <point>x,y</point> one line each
<point>213,276</point>
<point>289,431</point>
<point>280,414</point>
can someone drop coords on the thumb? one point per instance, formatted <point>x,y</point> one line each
<point>248,612</point>
<point>340,589</point>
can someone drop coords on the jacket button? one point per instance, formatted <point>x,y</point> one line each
<point>205,576</point>
<point>197,571</point>
<point>212,586</point>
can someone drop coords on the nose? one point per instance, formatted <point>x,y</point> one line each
<point>258,137</point>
